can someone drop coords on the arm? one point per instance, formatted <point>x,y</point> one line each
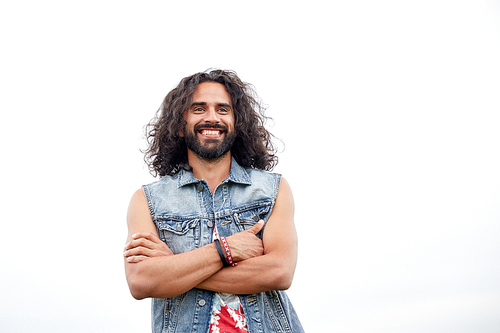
<point>167,275</point>
<point>152,270</point>
<point>272,271</point>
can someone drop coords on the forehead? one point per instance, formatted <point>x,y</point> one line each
<point>211,92</point>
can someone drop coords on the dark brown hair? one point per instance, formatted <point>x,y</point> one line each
<point>167,152</point>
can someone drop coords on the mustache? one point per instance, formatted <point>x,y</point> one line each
<point>205,126</point>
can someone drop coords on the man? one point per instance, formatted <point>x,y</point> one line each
<point>213,241</point>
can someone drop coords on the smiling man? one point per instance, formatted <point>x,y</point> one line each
<point>213,242</point>
<point>209,131</point>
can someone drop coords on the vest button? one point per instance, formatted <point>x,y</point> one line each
<point>210,224</point>
<point>201,302</point>
<point>199,187</point>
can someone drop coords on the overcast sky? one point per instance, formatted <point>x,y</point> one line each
<point>389,112</point>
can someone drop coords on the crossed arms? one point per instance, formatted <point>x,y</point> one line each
<point>152,270</point>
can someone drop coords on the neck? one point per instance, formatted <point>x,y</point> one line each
<point>212,171</point>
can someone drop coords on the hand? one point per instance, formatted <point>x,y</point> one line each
<point>245,245</point>
<point>143,246</point>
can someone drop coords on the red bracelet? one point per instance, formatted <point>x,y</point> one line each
<point>228,252</point>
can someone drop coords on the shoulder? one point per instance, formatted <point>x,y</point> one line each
<point>285,192</point>
<point>264,177</point>
<point>138,206</point>
<point>262,186</point>
<point>138,196</point>
<point>160,187</point>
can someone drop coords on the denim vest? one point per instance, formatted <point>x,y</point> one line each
<point>185,211</point>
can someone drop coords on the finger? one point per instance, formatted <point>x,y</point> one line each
<point>140,251</point>
<point>140,242</point>
<point>147,235</point>
<point>135,259</point>
<point>257,227</point>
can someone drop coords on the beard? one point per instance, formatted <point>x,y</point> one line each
<point>213,148</point>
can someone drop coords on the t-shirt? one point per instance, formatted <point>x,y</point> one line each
<point>227,313</point>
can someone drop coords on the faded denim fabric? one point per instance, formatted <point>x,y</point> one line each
<point>185,211</point>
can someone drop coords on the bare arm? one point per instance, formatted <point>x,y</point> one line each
<point>167,275</point>
<point>272,271</point>
<point>152,270</point>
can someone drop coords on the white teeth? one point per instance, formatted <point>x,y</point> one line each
<point>207,132</point>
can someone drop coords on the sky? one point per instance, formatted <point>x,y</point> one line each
<point>387,114</point>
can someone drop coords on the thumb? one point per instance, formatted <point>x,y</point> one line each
<point>257,227</point>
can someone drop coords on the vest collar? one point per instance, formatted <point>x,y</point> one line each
<point>238,174</point>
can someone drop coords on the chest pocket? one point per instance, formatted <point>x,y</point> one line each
<point>247,216</point>
<point>177,233</point>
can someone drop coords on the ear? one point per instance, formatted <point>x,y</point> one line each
<point>182,128</point>
<point>182,125</point>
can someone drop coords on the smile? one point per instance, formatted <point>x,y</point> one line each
<point>211,132</point>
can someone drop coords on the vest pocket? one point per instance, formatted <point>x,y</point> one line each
<point>177,233</point>
<point>248,215</point>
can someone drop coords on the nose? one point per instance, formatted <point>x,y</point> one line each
<point>211,116</point>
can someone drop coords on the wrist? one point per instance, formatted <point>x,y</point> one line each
<point>225,247</point>
<point>221,252</point>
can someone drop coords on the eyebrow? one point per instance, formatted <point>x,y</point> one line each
<point>198,103</point>
<point>204,103</point>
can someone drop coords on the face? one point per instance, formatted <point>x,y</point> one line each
<point>209,130</point>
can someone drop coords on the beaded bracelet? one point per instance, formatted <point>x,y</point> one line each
<point>222,256</point>
<point>228,252</point>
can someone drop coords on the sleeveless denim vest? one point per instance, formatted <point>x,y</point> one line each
<point>185,212</point>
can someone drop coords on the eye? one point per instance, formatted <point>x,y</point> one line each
<point>198,110</point>
<point>223,110</point>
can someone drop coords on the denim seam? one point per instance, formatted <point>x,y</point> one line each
<point>270,313</point>
<point>279,305</point>
<point>149,200</point>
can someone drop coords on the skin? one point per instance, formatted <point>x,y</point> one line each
<point>152,270</point>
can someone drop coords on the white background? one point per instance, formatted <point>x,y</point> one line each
<point>389,111</point>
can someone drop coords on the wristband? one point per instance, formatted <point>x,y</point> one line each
<point>222,256</point>
<point>228,252</point>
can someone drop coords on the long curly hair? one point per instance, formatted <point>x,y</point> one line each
<point>167,151</point>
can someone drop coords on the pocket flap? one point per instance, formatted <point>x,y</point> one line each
<point>176,226</point>
<point>252,214</point>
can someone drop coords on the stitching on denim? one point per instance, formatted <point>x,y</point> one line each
<point>149,200</point>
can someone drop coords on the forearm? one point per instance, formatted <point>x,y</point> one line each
<point>169,276</point>
<point>254,275</point>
